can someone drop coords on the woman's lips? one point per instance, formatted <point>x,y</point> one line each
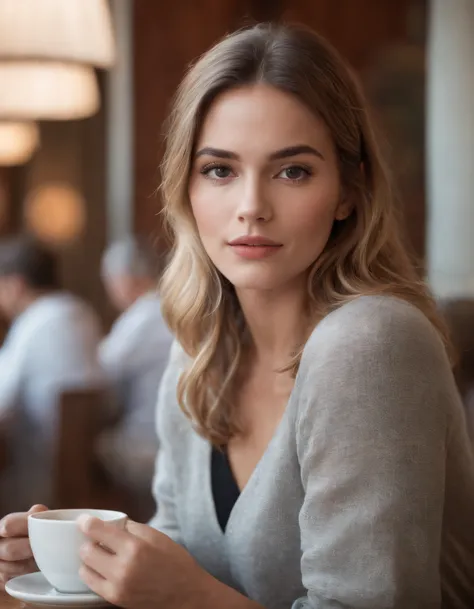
<point>255,252</point>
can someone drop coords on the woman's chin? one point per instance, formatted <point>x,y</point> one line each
<point>256,281</point>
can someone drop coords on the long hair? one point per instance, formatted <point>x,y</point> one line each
<point>364,255</point>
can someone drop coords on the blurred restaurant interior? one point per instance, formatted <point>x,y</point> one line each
<point>85,86</point>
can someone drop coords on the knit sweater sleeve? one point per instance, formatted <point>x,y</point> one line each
<point>376,391</point>
<point>166,516</point>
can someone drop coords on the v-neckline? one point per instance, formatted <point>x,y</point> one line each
<point>254,475</point>
<point>225,490</point>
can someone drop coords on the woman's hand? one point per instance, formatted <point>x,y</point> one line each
<point>140,569</point>
<point>16,557</point>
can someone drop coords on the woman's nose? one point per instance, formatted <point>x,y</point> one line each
<point>254,204</point>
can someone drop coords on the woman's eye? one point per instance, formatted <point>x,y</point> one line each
<point>294,173</point>
<point>216,172</point>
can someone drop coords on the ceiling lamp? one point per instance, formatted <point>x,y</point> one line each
<point>38,90</point>
<point>18,141</point>
<point>77,31</point>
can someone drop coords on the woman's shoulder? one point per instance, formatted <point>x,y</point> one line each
<point>373,360</point>
<point>373,321</point>
<point>376,333</point>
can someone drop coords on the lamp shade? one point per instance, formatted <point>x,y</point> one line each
<point>18,141</point>
<point>59,30</point>
<point>47,91</point>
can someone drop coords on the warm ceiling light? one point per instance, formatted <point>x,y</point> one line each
<point>32,90</point>
<point>18,141</point>
<point>55,213</point>
<point>60,30</point>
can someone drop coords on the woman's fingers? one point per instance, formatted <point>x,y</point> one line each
<point>16,524</point>
<point>13,569</point>
<point>15,549</point>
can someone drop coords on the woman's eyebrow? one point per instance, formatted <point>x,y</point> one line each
<point>274,156</point>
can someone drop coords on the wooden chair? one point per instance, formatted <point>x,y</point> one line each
<point>79,480</point>
<point>78,426</point>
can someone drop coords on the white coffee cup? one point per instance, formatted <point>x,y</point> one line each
<point>55,540</point>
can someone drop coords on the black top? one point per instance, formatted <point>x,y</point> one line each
<point>224,486</point>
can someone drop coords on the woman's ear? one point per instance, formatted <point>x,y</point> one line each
<point>344,209</point>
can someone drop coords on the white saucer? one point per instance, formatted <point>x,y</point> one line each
<point>36,590</point>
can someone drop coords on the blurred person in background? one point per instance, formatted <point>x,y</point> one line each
<point>51,347</point>
<point>134,356</point>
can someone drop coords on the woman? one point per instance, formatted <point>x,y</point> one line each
<point>314,452</point>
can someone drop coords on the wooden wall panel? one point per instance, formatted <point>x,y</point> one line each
<point>11,179</point>
<point>11,195</point>
<point>357,29</point>
<point>5,200</point>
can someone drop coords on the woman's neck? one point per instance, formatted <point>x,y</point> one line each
<point>277,322</point>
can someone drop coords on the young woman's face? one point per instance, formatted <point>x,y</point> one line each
<point>264,187</point>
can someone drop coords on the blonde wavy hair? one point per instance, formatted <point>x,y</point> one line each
<point>364,254</point>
